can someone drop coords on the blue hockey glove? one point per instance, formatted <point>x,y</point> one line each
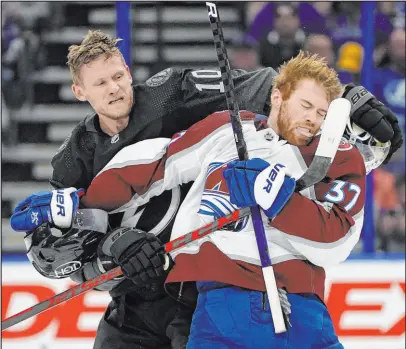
<point>256,182</point>
<point>56,207</point>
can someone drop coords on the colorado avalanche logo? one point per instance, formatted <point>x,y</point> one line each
<point>215,199</point>
<point>344,145</point>
<point>214,178</point>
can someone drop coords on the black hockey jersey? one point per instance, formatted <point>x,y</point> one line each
<point>169,102</point>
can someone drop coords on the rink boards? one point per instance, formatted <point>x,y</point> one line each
<point>366,299</point>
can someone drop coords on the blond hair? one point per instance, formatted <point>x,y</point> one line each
<point>307,66</point>
<point>95,44</point>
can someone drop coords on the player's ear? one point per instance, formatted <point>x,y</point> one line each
<point>78,92</point>
<point>276,98</point>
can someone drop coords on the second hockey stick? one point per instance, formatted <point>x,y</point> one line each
<point>333,129</point>
<point>325,153</point>
<point>116,272</point>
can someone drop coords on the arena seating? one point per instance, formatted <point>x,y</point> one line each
<point>162,36</point>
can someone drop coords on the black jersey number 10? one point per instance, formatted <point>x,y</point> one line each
<point>208,74</point>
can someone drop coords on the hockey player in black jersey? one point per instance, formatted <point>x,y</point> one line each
<point>141,315</point>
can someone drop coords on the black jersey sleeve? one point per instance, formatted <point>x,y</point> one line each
<point>170,101</point>
<point>72,164</point>
<point>194,94</point>
<point>202,86</point>
<point>204,89</point>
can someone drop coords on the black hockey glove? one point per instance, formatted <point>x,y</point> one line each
<point>140,255</point>
<point>374,117</point>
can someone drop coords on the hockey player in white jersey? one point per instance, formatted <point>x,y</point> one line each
<point>306,231</point>
<point>227,261</point>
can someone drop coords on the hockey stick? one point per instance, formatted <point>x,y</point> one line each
<point>332,132</point>
<point>333,129</point>
<point>326,151</point>
<point>92,283</point>
<point>279,318</point>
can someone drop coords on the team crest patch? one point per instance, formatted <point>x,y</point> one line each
<point>159,78</point>
<point>344,145</point>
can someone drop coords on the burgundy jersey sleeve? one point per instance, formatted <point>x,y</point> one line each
<point>336,204</point>
<point>145,169</point>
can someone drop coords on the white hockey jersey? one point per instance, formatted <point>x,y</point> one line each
<point>316,229</point>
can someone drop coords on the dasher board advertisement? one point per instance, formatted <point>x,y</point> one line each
<point>366,299</point>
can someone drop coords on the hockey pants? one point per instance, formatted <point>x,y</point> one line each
<point>133,323</point>
<point>236,318</point>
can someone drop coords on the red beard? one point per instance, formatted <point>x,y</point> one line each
<point>287,130</point>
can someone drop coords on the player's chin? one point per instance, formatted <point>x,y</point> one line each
<point>304,142</point>
<point>119,108</point>
<point>297,139</point>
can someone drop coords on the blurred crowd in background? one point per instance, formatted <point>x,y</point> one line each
<point>273,32</point>
<point>277,31</point>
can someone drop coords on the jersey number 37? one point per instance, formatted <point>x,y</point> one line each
<point>344,192</point>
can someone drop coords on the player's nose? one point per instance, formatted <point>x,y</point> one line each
<point>311,117</point>
<point>113,87</point>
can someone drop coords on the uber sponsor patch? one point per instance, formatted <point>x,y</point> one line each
<point>159,78</point>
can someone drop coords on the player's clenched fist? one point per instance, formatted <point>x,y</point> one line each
<point>256,182</point>
<point>140,255</point>
<point>374,117</point>
<point>56,207</point>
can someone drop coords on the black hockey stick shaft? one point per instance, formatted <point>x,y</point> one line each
<point>333,129</point>
<point>321,163</point>
<point>279,318</point>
